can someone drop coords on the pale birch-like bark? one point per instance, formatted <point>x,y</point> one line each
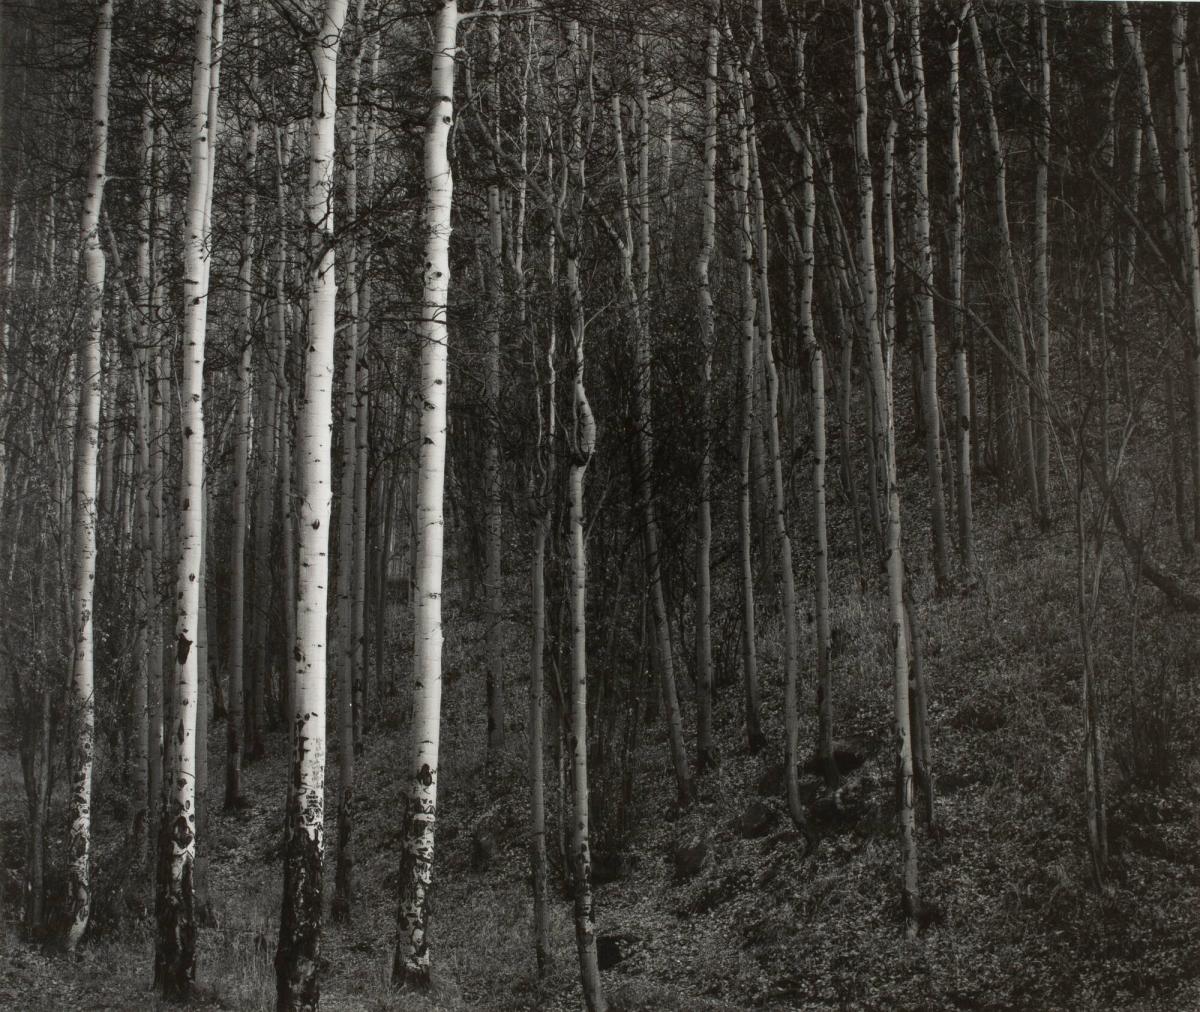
<point>541,513</point>
<point>297,957</point>
<point>885,437</point>
<point>204,911</point>
<point>924,296</point>
<point>412,957</point>
<point>83,704</point>
<point>175,943</point>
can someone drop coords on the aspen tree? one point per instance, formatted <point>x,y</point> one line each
<point>297,957</point>
<point>754,735</point>
<point>924,295</point>
<point>412,958</point>
<point>175,943</point>
<point>83,704</point>
<point>541,484</point>
<point>886,449</point>
<point>958,333</point>
<point>706,755</point>
<point>582,443</point>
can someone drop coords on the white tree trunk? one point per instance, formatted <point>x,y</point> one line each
<point>412,959</point>
<point>175,949</point>
<point>886,449</point>
<point>296,960</point>
<point>83,704</point>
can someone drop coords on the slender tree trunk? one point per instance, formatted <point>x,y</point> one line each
<point>175,944</point>
<point>541,511</point>
<point>706,754</point>
<point>298,955</point>
<point>925,315</point>
<point>83,704</point>
<point>958,339</point>
<point>204,911</point>
<point>412,957</point>
<point>885,436</point>
<point>1191,241</point>
<point>754,735</point>
<point>1041,258</point>
<point>493,524</point>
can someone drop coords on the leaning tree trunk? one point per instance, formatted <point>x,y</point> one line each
<point>885,435</point>
<point>175,947</point>
<point>297,958</point>
<point>83,704</point>
<point>412,960</point>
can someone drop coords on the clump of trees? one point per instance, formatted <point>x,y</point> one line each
<point>679,249</point>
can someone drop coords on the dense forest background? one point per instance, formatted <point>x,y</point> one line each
<point>659,505</point>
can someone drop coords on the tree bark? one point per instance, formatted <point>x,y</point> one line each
<point>83,704</point>
<point>886,449</point>
<point>298,955</point>
<point>412,957</point>
<point>175,946</point>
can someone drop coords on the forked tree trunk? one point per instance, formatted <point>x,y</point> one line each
<point>175,945</point>
<point>412,958</point>
<point>297,958</point>
<point>83,703</point>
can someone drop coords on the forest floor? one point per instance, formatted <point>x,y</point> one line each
<point>1015,921</point>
